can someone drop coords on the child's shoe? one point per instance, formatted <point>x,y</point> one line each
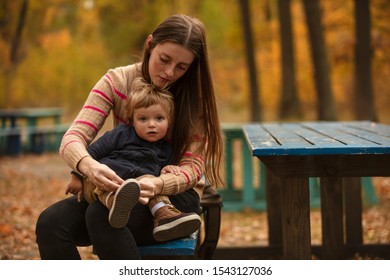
<point>123,202</point>
<point>170,223</point>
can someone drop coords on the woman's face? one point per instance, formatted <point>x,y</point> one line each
<point>168,63</point>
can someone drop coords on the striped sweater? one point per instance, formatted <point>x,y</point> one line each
<point>109,95</point>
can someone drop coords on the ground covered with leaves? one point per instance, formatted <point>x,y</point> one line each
<point>30,183</point>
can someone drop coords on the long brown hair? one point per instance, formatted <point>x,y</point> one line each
<point>195,105</point>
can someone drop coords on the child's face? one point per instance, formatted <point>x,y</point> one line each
<point>151,123</point>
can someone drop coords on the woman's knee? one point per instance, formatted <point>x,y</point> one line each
<point>96,215</point>
<point>60,216</point>
<point>46,224</point>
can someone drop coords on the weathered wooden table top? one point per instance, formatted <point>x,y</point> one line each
<point>318,138</point>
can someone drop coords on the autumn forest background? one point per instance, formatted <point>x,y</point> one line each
<point>52,52</point>
<point>271,60</point>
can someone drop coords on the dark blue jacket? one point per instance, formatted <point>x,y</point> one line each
<point>128,155</point>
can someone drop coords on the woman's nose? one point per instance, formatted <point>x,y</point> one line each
<point>169,71</point>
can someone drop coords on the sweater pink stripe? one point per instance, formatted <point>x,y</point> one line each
<point>77,134</point>
<point>103,95</point>
<point>87,123</point>
<point>198,173</point>
<point>187,177</point>
<point>96,109</point>
<point>121,95</point>
<point>189,154</point>
<point>67,144</point>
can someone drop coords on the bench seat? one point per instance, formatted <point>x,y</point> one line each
<point>180,247</point>
<point>201,244</point>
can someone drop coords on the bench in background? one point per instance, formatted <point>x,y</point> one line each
<point>39,139</point>
<point>45,138</point>
<point>11,141</point>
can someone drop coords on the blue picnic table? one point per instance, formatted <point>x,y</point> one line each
<point>339,153</point>
<point>14,121</point>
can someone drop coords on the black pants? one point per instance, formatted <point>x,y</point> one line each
<point>67,224</point>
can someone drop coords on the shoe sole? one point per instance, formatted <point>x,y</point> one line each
<point>179,228</point>
<point>125,198</point>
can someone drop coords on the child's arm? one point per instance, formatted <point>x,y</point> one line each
<point>174,169</point>
<point>75,186</point>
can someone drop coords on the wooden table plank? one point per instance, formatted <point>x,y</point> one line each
<point>378,128</point>
<point>350,135</point>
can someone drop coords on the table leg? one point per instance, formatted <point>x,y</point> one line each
<point>274,214</point>
<point>296,218</point>
<point>353,210</point>
<point>332,217</point>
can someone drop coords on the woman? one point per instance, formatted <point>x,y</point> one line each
<point>175,56</point>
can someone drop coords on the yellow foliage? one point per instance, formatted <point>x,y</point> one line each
<point>55,40</point>
<point>67,46</point>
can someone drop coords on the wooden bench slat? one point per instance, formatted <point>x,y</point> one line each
<point>180,247</point>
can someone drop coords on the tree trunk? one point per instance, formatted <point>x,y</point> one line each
<point>364,98</point>
<point>18,33</point>
<point>325,103</point>
<point>251,61</point>
<point>289,103</point>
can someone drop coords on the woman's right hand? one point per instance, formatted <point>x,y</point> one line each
<point>99,174</point>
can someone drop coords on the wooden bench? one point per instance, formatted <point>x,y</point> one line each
<point>180,248</point>
<point>45,138</point>
<point>11,141</point>
<point>39,139</point>
<point>26,120</point>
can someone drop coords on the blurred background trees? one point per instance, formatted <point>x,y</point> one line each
<point>308,56</point>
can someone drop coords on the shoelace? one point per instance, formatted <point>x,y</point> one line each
<point>173,208</point>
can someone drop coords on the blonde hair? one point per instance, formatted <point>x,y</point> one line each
<point>145,95</point>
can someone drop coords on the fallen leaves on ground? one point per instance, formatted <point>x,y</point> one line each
<point>30,183</point>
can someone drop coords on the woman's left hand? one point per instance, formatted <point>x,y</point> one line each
<point>174,169</point>
<point>150,186</point>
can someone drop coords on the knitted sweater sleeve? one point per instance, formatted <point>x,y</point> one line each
<point>108,94</point>
<point>192,166</point>
<point>191,170</point>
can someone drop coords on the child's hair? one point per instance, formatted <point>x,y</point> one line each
<point>144,95</point>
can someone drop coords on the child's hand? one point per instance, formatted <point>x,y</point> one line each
<point>75,186</point>
<point>174,169</point>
